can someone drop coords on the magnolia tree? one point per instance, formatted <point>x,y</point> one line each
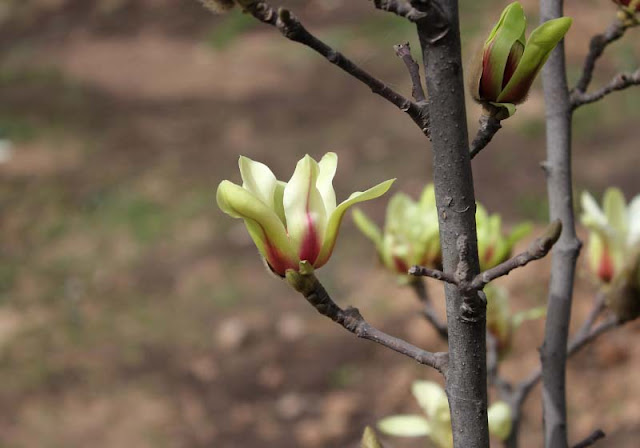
<point>445,234</point>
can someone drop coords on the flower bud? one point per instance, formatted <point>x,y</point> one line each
<point>509,63</point>
<point>493,247</point>
<point>295,221</point>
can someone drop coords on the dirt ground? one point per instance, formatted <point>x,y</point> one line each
<point>133,313</point>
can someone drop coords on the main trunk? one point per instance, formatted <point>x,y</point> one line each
<point>466,383</point>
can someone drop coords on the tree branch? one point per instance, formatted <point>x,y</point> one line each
<point>466,380</point>
<point>292,29</point>
<point>422,271</point>
<point>420,288</point>
<point>351,320</point>
<point>489,126</point>
<point>585,335</point>
<point>400,8</point>
<point>619,82</point>
<point>565,252</point>
<point>598,44</point>
<point>580,340</point>
<point>537,249</point>
<point>592,439</point>
<point>403,51</point>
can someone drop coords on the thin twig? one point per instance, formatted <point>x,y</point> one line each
<point>597,46</point>
<point>537,249</point>
<point>592,439</point>
<point>292,29</point>
<point>420,288</point>
<point>581,339</point>
<point>489,126</point>
<point>403,51</point>
<point>400,8</point>
<point>619,82</point>
<point>422,271</point>
<point>351,319</point>
<point>598,307</point>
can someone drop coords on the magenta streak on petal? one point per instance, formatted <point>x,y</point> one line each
<point>520,91</point>
<point>517,49</point>
<point>400,266</point>
<point>487,91</point>
<point>277,262</point>
<point>310,246</point>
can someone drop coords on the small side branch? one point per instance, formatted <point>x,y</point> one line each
<point>422,271</point>
<point>619,82</point>
<point>403,51</point>
<point>428,311</point>
<point>292,29</point>
<point>597,46</point>
<point>585,335</point>
<point>592,439</point>
<point>582,339</point>
<point>351,320</point>
<point>400,8</point>
<point>489,126</point>
<point>538,249</point>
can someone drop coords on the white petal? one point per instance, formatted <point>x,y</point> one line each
<point>258,179</point>
<point>592,215</point>
<point>633,237</point>
<point>327,166</point>
<point>432,398</point>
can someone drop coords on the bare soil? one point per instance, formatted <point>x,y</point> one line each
<point>134,313</point>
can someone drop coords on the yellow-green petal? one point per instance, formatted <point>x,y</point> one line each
<point>333,225</point>
<point>432,399</point>
<point>614,206</point>
<point>237,202</point>
<point>536,52</point>
<point>405,426</point>
<point>367,227</point>
<point>500,423</point>
<point>327,165</point>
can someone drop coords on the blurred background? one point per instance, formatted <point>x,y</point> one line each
<point>133,313</point>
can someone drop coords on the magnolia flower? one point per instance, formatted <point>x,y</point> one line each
<point>295,221</point>
<point>493,247</point>
<point>614,231</point>
<point>501,323</point>
<point>411,235</point>
<point>510,63</point>
<point>437,426</point>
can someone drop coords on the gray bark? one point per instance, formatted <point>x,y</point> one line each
<point>558,168</point>
<point>466,382</point>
